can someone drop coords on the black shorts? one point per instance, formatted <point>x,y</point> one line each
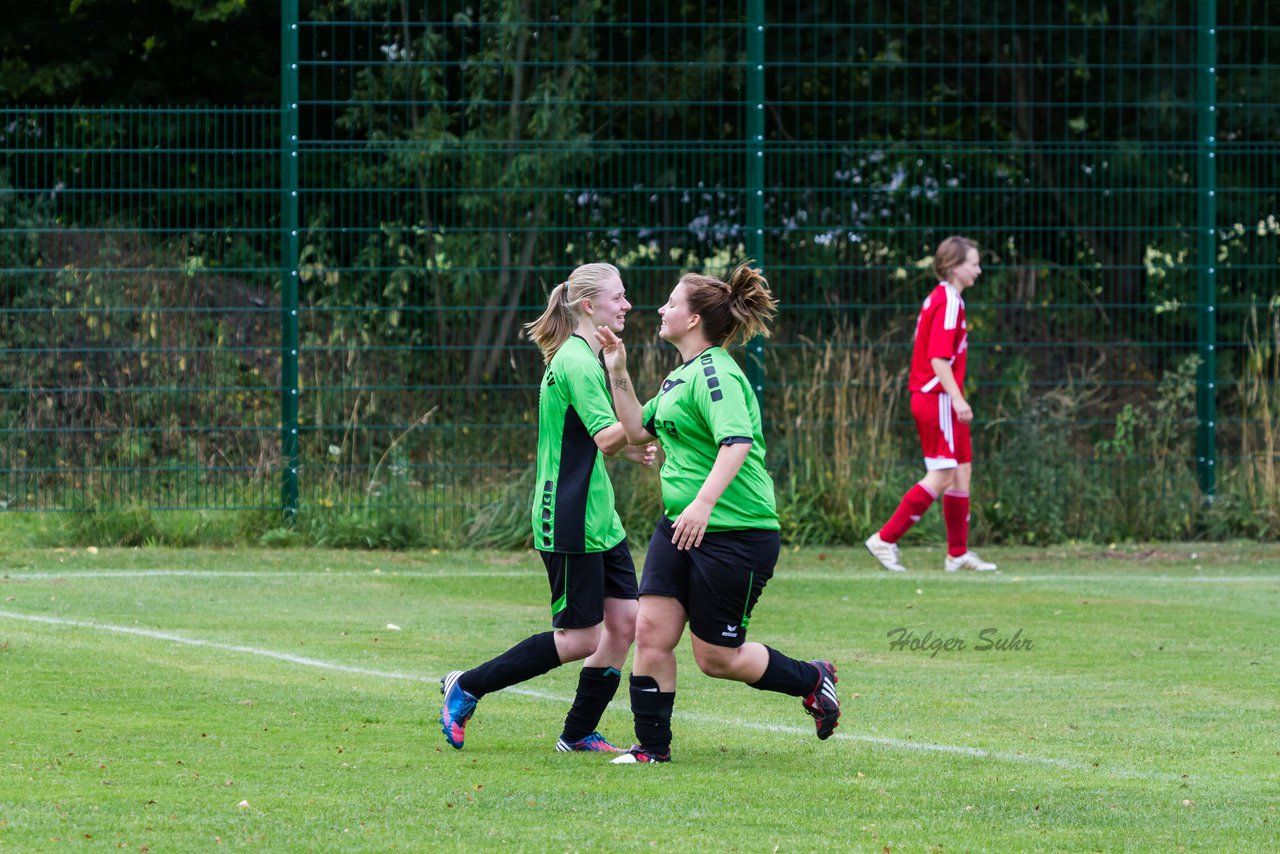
<point>580,583</point>
<point>718,583</point>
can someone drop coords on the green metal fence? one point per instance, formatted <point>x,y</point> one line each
<point>319,305</point>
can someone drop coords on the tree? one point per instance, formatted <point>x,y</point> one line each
<point>140,52</point>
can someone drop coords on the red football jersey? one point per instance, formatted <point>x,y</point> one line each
<point>940,334</point>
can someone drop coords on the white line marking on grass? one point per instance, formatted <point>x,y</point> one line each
<point>532,572</point>
<point>988,578</point>
<point>248,650</point>
<point>896,743</point>
<point>883,741</point>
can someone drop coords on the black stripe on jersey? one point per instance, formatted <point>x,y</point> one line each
<point>713,382</point>
<point>573,484</point>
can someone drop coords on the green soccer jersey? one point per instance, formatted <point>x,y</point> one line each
<point>703,404</point>
<point>573,509</point>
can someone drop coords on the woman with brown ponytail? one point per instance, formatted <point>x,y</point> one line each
<point>576,528</point>
<point>716,544</point>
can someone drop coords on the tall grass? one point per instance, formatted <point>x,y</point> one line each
<point>1250,496</point>
<point>837,441</point>
<point>116,430</point>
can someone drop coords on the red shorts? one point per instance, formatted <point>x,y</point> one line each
<point>944,440</point>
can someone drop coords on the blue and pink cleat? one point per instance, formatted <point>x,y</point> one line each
<point>457,710</point>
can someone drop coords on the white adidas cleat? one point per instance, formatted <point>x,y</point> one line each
<point>886,553</point>
<point>968,560</point>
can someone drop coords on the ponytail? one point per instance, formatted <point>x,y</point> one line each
<point>560,318</point>
<point>732,311</point>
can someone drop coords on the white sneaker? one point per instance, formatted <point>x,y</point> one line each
<point>968,560</point>
<point>886,553</point>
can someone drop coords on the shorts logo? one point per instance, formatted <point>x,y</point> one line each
<point>729,632</point>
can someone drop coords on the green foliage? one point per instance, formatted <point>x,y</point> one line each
<point>142,51</point>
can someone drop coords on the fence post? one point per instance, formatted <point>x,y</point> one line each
<point>289,256</point>
<point>755,174</point>
<point>1206,246</point>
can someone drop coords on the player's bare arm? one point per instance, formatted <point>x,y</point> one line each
<point>625,403</point>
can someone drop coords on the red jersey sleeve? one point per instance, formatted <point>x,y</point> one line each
<point>947,326</point>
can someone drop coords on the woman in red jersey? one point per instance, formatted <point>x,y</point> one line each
<point>942,415</point>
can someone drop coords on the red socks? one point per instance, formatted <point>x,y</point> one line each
<point>955,509</point>
<point>912,507</point>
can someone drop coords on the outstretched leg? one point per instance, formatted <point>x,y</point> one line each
<point>532,657</point>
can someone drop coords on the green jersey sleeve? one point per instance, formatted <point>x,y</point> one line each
<point>724,398</point>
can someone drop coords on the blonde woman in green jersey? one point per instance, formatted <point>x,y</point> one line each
<point>576,528</point>
<point>716,544</point>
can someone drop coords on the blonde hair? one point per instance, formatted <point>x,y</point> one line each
<point>564,307</point>
<point>951,254</point>
<point>736,310</point>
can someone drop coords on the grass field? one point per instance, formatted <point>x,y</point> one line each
<point>160,700</point>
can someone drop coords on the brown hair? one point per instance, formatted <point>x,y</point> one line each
<point>736,310</point>
<point>563,311</point>
<point>951,254</point>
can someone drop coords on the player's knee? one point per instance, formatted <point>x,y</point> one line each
<point>650,634</point>
<point>577,644</point>
<point>715,661</point>
<point>620,618</point>
<point>622,626</point>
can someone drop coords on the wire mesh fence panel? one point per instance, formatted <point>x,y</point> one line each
<point>139,315</point>
<point>456,160</point>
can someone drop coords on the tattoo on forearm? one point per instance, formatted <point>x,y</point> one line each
<point>619,382</point>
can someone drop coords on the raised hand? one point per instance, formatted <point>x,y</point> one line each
<point>613,350</point>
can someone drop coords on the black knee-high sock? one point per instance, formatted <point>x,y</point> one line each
<point>652,710</point>
<point>786,675</point>
<point>596,687</point>
<point>533,656</point>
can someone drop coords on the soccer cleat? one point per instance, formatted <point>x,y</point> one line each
<point>823,703</point>
<point>968,560</point>
<point>457,710</point>
<point>638,754</point>
<point>594,743</point>
<point>886,553</point>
